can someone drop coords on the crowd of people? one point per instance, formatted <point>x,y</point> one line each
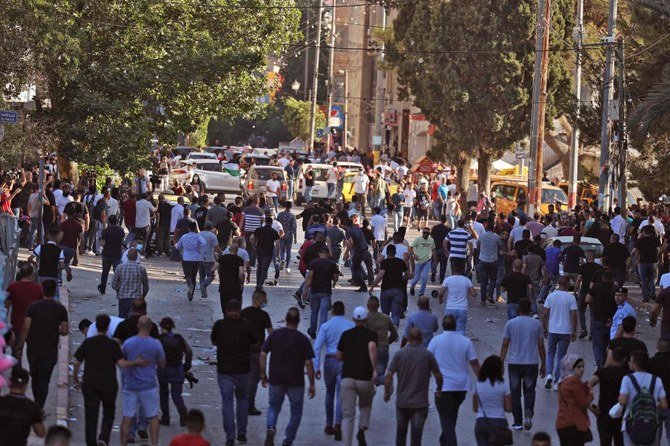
<point>546,269</point>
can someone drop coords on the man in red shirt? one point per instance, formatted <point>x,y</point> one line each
<point>21,294</point>
<point>195,423</point>
<point>73,230</point>
<point>128,207</point>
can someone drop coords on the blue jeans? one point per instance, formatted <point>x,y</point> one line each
<point>461,317</point>
<point>648,278</point>
<point>557,347</point>
<point>296,396</point>
<point>416,417</point>
<point>262,271</point>
<point>600,336</point>
<point>320,306</point>
<point>447,407</point>
<point>289,193</point>
<point>308,193</point>
<point>391,303</point>
<point>397,218</point>
<point>34,227</point>
<point>332,376</point>
<point>421,270</point>
<point>488,274</point>
<point>237,387</point>
<point>331,190</point>
<point>107,264</point>
<point>357,267</point>
<point>285,245</point>
<point>382,364</point>
<point>275,203</point>
<point>522,376</point>
<point>549,286</point>
<point>512,311</point>
<point>206,275</point>
<point>664,421</point>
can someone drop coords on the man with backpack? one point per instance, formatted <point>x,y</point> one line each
<point>642,394</point>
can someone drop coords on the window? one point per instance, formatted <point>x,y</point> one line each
<point>210,167</point>
<point>504,191</point>
<point>266,174</point>
<point>553,195</point>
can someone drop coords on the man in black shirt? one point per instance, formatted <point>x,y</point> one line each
<point>18,413</point>
<point>603,306</point>
<point>618,258</point>
<point>260,322</point>
<point>585,277</point>
<point>101,355</point>
<point>521,247</point>
<point>609,378</point>
<point>234,338</point>
<point>226,230</point>
<point>265,240</point>
<point>231,275</point>
<point>357,350</point>
<point>319,288</point>
<point>439,233</point>
<point>627,341</point>
<point>111,241</point>
<point>646,251</point>
<point>518,286</point>
<point>163,229</point>
<point>357,248</point>
<point>200,213</point>
<point>572,257</point>
<point>45,320</point>
<point>392,274</point>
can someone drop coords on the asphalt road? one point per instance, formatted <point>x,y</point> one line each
<point>167,297</point>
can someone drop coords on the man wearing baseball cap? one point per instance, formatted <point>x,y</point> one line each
<point>357,350</point>
<point>18,413</point>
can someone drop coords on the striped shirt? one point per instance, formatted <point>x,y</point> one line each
<point>458,242</point>
<point>253,219</point>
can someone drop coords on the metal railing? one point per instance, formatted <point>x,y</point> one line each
<point>10,234</point>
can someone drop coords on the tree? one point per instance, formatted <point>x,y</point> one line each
<point>473,77</point>
<point>297,118</point>
<point>110,75</point>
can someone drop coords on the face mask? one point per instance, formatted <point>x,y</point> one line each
<point>139,247</point>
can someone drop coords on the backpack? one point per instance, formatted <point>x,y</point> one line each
<point>642,420</point>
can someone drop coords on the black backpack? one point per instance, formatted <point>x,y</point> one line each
<point>642,420</point>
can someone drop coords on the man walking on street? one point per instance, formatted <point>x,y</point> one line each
<point>357,350</point>
<point>192,247</point>
<point>392,274</point>
<point>386,332</point>
<point>424,320</point>
<point>422,250</point>
<point>20,295</point>
<point>603,306</point>
<point>231,275</point>
<point>489,249</point>
<point>45,320</point>
<point>319,288</point>
<point>523,339</point>
<point>260,323</point>
<point>456,289</point>
<point>252,219</point>
<point>454,353</point>
<point>50,259</point>
<point>264,240</point>
<point>414,365</point>
<point>111,242</point>
<point>130,282</point>
<point>234,338</point>
<point>518,286</point>
<point>290,354</point>
<point>357,247</point>
<point>329,337</point>
<point>560,326</point>
<point>207,263</point>
<point>290,225</point>
<point>587,272</point>
<point>646,252</point>
<point>439,234</point>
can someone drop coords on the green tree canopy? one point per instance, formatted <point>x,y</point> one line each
<point>297,118</point>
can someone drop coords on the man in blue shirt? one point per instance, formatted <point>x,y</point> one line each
<point>140,386</point>
<point>192,246</point>
<point>328,337</point>
<point>624,309</point>
<point>424,320</point>
<point>552,265</point>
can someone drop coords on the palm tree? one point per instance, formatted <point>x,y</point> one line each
<point>656,104</point>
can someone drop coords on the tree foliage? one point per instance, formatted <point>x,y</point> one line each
<point>112,74</point>
<point>297,118</point>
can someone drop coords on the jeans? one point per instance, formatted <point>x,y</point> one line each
<point>41,368</point>
<point>512,311</point>
<point>162,239</point>
<point>262,271</point>
<point>461,317</point>
<point>308,193</point>
<point>250,249</point>
<point>441,259</point>
<point>557,347</point>
<point>362,200</point>
<point>190,271</point>
<point>254,377</point>
<point>397,218</point>
<point>357,267</point>
<point>93,398</point>
<point>285,245</point>
<point>522,376</point>
<point>289,193</point>
<point>447,407</point>
<point>549,286</point>
<point>353,389</point>
<point>600,336</point>
<point>296,396</point>
<point>107,263</point>
<point>483,426</point>
<point>581,310</point>
<point>234,387</point>
<point>320,306</point>
<point>648,278</point>
<point>609,430</point>
<point>331,190</point>
<point>34,227</point>
<point>391,303</point>
<point>332,376</point>
<point>488,272</point>
<point>382,364</point>
<point>174,389</point>
<point>206,276</point>
<point>131,235</point>
<point>406,416</point>
<point>421,273</point>
<point>90,239</point>
<point>275,203</point>
<point>125,307</point>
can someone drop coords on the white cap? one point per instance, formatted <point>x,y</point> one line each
<point>360,314</point>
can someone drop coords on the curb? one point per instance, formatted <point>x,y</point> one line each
<point>63,383</point>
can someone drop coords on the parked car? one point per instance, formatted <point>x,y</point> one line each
<point>506,193</point>
<point>211,172</point>
<point>588,244</point>
<point>257,177</point>
<point>201,156</point>
<point>320,190</point>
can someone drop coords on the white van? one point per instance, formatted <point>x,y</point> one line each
<point>320,171</point>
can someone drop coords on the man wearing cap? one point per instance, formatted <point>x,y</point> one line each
<point>18,414</point>
<point>624,309</point>
<point>319,288</point>
<point>357,350</point>
<point>211,246</point>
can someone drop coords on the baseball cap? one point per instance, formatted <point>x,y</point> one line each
<point>360,314</point>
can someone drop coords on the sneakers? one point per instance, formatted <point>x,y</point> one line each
<point>548,381</point>
<point>204,293</point>
<point>555,387</point>
<point>288,270</point>
<point>281,265</point>
<point>276,274</point>
<point>528,419</point>
<point>189,294</point>
<point>412,292</point>
<point>360,436</point>
<point>242,438</point>
<point>432,278</point>
<point>164,422</point>
<point>299,300</point>
<point>270,437</point>
<point>101,289</point>
<point>516,427</point>
<point>254,412</point>
<point>583,334</point>
<point>362,289</point>
<point>230,442</point>
<point>338,433</point>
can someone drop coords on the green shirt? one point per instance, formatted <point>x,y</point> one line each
<point>382,325</point>
<point>423,248</point>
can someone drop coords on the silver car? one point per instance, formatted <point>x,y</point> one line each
<point>211,172</point>
<point>257,177</point>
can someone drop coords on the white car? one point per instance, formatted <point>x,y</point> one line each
<point>201,156</point>
<point>320,189</point>
<point>211,172</point>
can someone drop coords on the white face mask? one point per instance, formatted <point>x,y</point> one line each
<point>139,247</point>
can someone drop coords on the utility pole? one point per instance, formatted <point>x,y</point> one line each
<point>331,63</point>
<point>306,79</point>
<point>315,79</point>
<point>539,105</point>
<point>606,124</point>
<point>380,87</point>
<point>40,203</point>
<point>621,125</point>
<point>574,143</point>
<point>345,135</point>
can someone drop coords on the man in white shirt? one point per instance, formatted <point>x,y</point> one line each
<point>658,224</point>
<point>177,213</point>
<point>62,199</point>
<point>456,288</point>
<point>361,184</point>
<point>379,229</point>
<point>560,325</point>
<point>453,352</point>
<point>331,180</point>
<point>283,161</point>
<point>192,246</point>
<point>619,224</point>
<point>143,210</point>
<point>272,190</point>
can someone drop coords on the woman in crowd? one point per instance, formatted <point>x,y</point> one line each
<point>198,186</point>
<point>178,357</point>
<point>574,398</point>
<point>492,398</point>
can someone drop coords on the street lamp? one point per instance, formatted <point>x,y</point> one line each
<point>295,86</point>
